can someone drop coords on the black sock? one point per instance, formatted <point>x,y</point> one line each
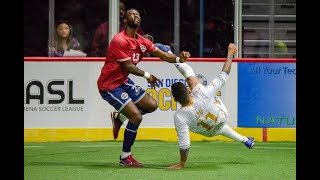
<point>130,134</point>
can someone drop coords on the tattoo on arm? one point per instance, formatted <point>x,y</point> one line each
<point>227,65</point>
<point>229,57</point>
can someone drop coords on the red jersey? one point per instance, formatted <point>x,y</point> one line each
<point>122,48</point>
<point>100,39</point>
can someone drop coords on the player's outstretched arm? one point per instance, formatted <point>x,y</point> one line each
<point>187,72</point>
<point>232,49</point>
<point>132,69</point>
<point>171,58</point>
<point>182,130</point>
<point>183,159</point>
<point>216,84</point>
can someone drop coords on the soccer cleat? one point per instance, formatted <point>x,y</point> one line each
<point>249,143</point>
<point>116,124</point>
<point>130,162</point>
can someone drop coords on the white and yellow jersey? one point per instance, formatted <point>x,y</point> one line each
<point>205,116</point>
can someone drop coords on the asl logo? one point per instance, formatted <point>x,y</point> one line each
<point>53,87</point>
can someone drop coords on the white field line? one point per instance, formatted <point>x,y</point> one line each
<point>262,147</point>
<point>112,145</point>
<point>33,146</point>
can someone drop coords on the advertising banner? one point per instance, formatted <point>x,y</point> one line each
<point>62,94</point>
<point>205,71</point>
<point>267,95</point>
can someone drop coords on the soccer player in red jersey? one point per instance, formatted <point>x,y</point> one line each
<point>125,51</point>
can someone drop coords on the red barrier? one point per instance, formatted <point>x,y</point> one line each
<point>101,59</point>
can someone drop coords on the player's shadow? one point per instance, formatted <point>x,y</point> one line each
<point>52,154</point>
<point>209,165</point>
<point>89,165</point>
<point>156,166</point>
<point>193,166</point>
<point>73,163</point>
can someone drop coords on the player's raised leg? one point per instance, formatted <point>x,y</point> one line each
<point>147,104</point>
<point>227,131</point>
<point>117,120</point>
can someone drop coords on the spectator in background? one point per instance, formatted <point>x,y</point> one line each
<point>148,36</point>
<point>101,37</point>
<point>165,48</point>
<point>64,41</point>
<point>216,38</point>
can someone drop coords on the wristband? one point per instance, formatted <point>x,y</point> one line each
<point>178,59</point>
<point>146,75</point>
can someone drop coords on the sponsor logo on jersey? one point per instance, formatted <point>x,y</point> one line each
<point>143,48</point>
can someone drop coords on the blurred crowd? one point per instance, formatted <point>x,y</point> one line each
<point>83,26</point>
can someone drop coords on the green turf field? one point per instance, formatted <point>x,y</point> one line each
<point>207,160</point>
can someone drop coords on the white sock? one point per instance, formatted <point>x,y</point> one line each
<point>122,117</point>
<point>125,154</point>
<point>227,131</point>
<point>184,69</point>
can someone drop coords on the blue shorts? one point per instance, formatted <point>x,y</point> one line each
<point>123,94</point>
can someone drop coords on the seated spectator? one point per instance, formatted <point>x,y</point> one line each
<point>216,38</point>
<point>148,36</point>
<point>64,41</point>
<point>101,37</point>
<point>165,48</point>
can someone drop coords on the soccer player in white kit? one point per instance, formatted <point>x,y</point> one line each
<point>202,112</point>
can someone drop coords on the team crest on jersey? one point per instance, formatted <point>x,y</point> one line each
<point>124,96</point>
<point>202,79</point>
<point>143,48</point>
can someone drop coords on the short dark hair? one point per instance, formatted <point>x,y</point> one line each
<point>127,11</point>
<point>180,92</point>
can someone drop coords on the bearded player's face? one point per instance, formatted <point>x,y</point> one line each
<point>133,18</point>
